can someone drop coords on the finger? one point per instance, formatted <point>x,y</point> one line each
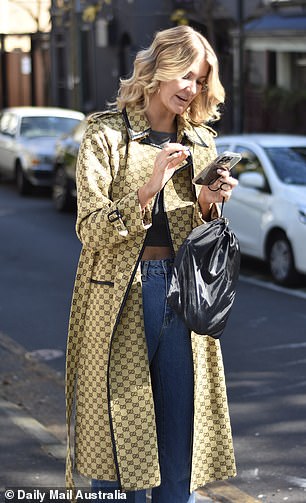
<point>173,160</point>
<point>172,148</point>
<point>233,181</point>
<point>226,178</point>
<point>226,194</point>
<point>225,186</point>
<point>167,155</point>
<point>177,156</point>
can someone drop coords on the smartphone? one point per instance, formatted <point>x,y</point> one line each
<point>209,175</point>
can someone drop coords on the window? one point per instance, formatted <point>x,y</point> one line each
<point>249,163</point>
<point>35,127</point>
<point>289,164</point>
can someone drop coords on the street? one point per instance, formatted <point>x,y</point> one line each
<point>264,344</point>
<point>39,253</point>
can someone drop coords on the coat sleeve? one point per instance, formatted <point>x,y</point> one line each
<point>102,221</point>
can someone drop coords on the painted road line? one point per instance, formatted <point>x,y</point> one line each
<point>27,423</point>
<point>272,286</point>
<point>201,497</point>
<point>224,492</point>
<point>297,481</point>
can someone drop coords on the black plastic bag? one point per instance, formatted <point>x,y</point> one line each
<point>205,273</point>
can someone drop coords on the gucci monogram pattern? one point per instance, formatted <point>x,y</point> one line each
<point>107,365</point>
<point>131,397</point>
<point>212,437</point>
<point>91,392</point>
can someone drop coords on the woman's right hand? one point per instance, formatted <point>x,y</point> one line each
<point>165,164</point>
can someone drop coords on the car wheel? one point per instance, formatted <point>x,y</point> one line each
<point>61,195</point>
<point>281,260</point>
<point>24,187</point>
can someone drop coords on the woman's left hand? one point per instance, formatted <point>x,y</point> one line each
<point>219,190</point>
<point>215,193</point>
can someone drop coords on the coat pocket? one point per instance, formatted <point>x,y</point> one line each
<point>102,282</point>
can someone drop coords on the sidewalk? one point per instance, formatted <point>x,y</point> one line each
<point>33,432</point>
<point>32,423</point>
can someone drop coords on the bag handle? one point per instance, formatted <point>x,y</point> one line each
<point>222,207</point>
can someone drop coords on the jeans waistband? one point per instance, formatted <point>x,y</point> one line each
<point>163,266</point>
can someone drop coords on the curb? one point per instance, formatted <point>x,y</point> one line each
<point>49,443</point>
<point>25,374</point>
<point>225,492</point>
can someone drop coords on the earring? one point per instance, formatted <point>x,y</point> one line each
<point>204,87</point>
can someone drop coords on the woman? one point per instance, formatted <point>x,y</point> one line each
<point>151,408</point>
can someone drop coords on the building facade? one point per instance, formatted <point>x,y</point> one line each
<point>24,52</point>
<point>275,68</point>
<point>93,44</point>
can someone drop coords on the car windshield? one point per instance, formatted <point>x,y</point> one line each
<point>289,163</point>
<point>35,127</point>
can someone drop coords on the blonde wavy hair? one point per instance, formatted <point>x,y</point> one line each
<point>169,57</point>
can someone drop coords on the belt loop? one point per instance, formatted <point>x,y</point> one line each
<point>144,270</point>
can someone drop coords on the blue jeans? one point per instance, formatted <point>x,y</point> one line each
<point>171,367</point>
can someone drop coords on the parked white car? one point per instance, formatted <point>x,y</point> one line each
<point>27,143</point>
<point>267,210</point>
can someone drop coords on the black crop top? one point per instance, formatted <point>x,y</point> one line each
<point>158,233</point>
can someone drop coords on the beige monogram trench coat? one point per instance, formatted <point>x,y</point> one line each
<point>107,364</point>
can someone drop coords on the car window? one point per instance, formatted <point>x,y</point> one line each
<point>249,162</point>
<point>35,127</point>
<point>289,163</point>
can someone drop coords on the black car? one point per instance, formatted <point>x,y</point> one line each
<point>64,187</point>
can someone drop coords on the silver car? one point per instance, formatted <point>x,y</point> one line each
<point>27,143</point>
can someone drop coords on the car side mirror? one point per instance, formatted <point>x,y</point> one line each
<point>7,133</point>
<point>252,180</point>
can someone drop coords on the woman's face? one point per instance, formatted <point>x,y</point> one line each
<point>177,94</point>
